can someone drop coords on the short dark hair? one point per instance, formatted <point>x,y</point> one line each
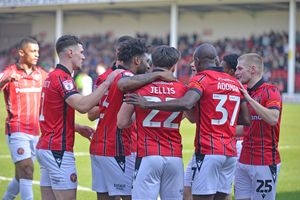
<point>66,41</point>
<point>27,40</point>
<point>130,48</point>
<point>231,60</point>
<point>165,56</point>
<point>123,39</point>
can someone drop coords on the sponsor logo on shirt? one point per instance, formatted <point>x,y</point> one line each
<point>28,90</point>
<point>36,77</point>
<point>68,84</point>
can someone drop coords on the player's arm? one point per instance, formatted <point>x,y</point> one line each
<point>8,76</point>
<point>84,103</point>
<point>190,115</point>
<point>125,116</point>
<point>84,131</point>
<point>269,115</point>
<point>186,102</point>
<point>94,113</point>
<point>132,83</point>
<point>244,116</point>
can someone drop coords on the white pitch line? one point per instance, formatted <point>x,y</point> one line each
<point>78,154</point>
<point>2,178</point>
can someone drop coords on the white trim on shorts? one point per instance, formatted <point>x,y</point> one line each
<point>22,146</point>
<point>63,177</point>
<point>256,181</point>
<point>212,174</point>
<point>158,175</point>
<point>111,176</point>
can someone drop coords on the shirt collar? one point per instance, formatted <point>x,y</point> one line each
<point>257,85</point>
<point>20,68</point>
<point>157,69</point>
<point>63,68</point>
<point>219,69</point>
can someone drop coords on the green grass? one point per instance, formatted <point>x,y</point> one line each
<point>289,178</point>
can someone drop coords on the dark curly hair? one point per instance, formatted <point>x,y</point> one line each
<point>66,41</point>
<point>130,48</point>
<point>231,60</point>
<point>165,56</point>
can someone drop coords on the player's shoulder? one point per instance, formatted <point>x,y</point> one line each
<point>9,67</point>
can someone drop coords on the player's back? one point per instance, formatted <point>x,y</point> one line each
<point>158,131</point>
<point>216,112</point>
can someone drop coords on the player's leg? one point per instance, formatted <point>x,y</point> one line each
<point>22,152</point>
<point>205,181</point>
<point>264,182</point>
<point>45,183</point>
<point>172,179</point>
<point>188,174</point>
<point>243,181</point>
<point>226,176</point>
<point>147,176</point>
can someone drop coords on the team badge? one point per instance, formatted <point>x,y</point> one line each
<point>36,77</point>
<point>20,151</point>
<point>68,84</point>
<point>73,178</point>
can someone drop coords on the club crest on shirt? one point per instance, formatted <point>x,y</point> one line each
<point>36,77</point>
<point>20,151</point>
<point>68,84</point>
<point>73,177</point>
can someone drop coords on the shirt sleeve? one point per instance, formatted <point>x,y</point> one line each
<point>67,87</point>
<point>4,75</point>
<point>198,83</point>
<point>273,99</point>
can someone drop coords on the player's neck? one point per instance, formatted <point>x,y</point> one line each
<point>253,81</point>
<point>27,68</point>
<point>67,65</point>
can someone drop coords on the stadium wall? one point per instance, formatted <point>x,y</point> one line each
<point>210,26</point>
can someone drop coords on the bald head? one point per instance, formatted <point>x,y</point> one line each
<point>205,55</point>
<point>253,59</point>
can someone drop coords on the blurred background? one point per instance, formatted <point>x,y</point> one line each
<point>268,27</point>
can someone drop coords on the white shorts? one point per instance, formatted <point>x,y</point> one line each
<point>188,174</point>
<point>239,145</point>
<point>57,169</point>
<point>112,174</point>
<point>22,146</point>
<point>256,181</point>
<point>212,174</point>
<point>158,175</point>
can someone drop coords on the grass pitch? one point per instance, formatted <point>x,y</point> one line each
<point>289,178</point>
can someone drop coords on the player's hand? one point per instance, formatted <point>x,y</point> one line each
<point>167,76</point>
<point>136,100</point>
<point>85,131</point>
<point>111,77</point>
<point>14,77</point>
<point>244,92</point>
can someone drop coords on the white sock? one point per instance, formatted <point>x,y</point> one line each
<point>12,190</point>
<point>26,189</point>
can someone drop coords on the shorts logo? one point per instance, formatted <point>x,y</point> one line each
<point>20,151</point>
<point>68,84</point>
<point>73,178</point>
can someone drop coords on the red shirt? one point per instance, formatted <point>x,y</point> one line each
<point>260,145</point>
<point>216,112</point>
<point>158,131</point>
<point>56,116</point>
<point>22,99</point>
<point>108,140</point>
